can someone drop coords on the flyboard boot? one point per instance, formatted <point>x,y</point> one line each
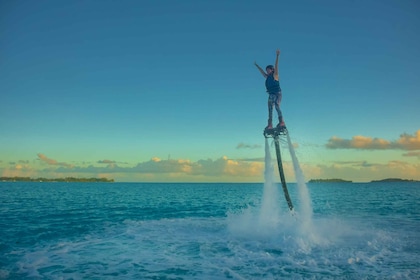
<point>270,124</point>
<point>281,123</point>
<point>281,127</point>
<point>268,131</point>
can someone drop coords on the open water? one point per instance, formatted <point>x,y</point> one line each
<point>208,231</point>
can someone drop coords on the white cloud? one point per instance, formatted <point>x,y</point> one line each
<point>405,142</point>
<point>50,161</point>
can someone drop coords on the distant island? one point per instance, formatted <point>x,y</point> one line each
<point>329,181</point>
<point>388,180</point>
<point>393,180</point>
<point>67,179</point>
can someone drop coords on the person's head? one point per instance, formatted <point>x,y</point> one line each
<point>269,69</point>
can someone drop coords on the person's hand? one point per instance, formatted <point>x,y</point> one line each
<point>278,52</point>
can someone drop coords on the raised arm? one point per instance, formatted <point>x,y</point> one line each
<point>276,66</point>
<point>261,70</point>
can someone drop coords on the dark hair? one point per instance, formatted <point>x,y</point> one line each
<point>269,67</point>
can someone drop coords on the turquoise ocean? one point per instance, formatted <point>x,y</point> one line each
<point>208,231</point>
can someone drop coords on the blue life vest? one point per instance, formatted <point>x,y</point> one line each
<point>272,85</point>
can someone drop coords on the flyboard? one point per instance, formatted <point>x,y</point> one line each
<point>275,133</point>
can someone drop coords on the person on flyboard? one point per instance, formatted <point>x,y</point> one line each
<point>272,85</point>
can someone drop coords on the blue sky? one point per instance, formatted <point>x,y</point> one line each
<point>167,90</point>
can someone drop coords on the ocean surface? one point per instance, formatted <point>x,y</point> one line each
<point>208,231</point>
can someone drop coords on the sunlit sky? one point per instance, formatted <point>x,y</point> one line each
<point>167,91</point>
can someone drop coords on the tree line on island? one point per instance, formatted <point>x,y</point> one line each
<point>66,179</point>
<point>329,181</point>
<point>373,181</point>
<point>105,180</point>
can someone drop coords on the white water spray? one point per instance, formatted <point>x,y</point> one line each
<point>269,220</point>
<point>305,199</point>
<point>271,226</point>
<point>269,214</point>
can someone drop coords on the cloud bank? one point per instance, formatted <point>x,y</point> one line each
<point>225,169</point>
<point>155,169</point>
<point>405,142</point>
